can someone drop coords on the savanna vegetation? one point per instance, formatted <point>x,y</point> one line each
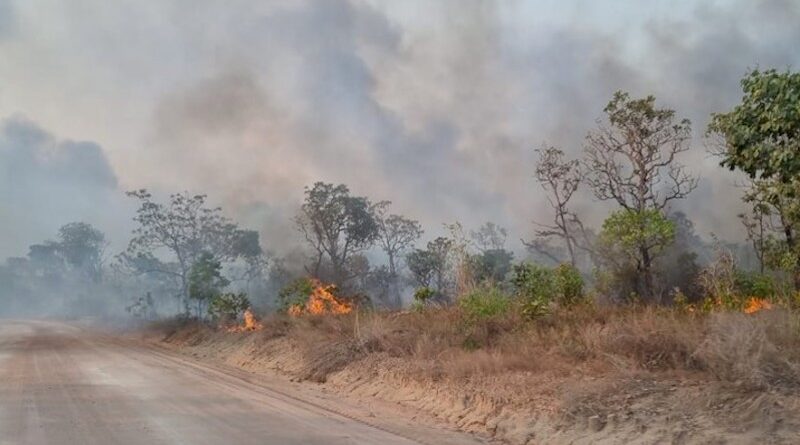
<point>186,257</point>
<point>640,293</point>
<point>640,301</point>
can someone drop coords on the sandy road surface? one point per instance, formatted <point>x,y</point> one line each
<point>60,385</point>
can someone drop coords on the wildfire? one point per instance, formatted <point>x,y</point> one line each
<point>754,305</point>
<point>321,301</point>
<point>250,323</point>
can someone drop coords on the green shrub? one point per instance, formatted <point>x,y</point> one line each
<point>537,286</point>
<point>423,295</point>
<point>533,281</point>
<point>568,284</point>
<point>417,306</point>
<point>228,306</point>
<point>533,308</point>
<point>296,293</point>
<point>484,302</point>
<point>754,284</point>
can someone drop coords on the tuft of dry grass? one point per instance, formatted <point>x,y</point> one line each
<point>650,338</point>
<point>180,330</point>
<point>761,350</point>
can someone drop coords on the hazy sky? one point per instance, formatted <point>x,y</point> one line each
<point>435,105</point>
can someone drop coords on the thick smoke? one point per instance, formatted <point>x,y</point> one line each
<point>436,106</point>
<point>48,182</point>
<point>7,19</point>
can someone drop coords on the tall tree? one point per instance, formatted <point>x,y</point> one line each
<point>82,247</point>
<point>396,234</point>
<point>171,237</point>
<point>336,225</point>
<point>624,235</point>
<point>493,261</point>
<point>632,160</point>
<point>761,137</point>
<point>205,281</point>
<point>431,267</point>
<point>560,179</point>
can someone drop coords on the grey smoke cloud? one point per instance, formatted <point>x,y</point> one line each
<point>48,182</point>
<point>7,19</point>
<point>436,106</point>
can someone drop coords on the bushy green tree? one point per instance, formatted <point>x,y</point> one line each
<point>228,306</point>
<point>632,240</point>
<point>762,133</point>
<point>82,246</point>
<point>205,280</point>
<point>761,137</point>
<point>431,267</point>
<point>170,237</point>
<point>337,226</point>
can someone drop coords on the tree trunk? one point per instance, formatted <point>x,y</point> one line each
<point>394,285</point>
<point>790,242</point>
<point>568,239</point>
<point>647,275</point>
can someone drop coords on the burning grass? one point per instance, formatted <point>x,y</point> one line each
<point>322,300</point>
<point>249,323</point>
<point>756,304</point>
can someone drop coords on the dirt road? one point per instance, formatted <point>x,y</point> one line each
<point>61,385</point>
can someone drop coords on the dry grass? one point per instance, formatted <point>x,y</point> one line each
<point>181,330</point>
<point>759,350</point>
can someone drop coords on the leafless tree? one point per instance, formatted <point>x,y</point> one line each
<point>560,179</point>
<point>632,159</point>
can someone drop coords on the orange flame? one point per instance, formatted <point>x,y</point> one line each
<point>250,323</point>
<point>321,301</point>
<point>754,305</point>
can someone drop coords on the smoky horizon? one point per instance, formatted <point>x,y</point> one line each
<point>441,108</point>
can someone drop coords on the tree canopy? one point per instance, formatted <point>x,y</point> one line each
<point>336,225</point>
<point>171,237</point>
<point>761,135</point>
